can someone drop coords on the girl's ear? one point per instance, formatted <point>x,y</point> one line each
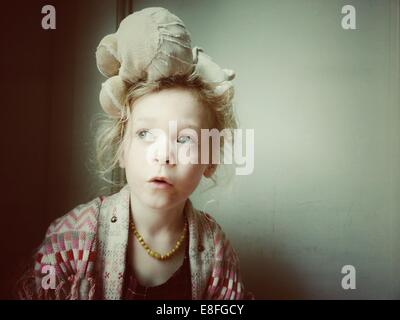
<point>121,157</point>
<point>121,160</point>
<point>125,144</point>
<point>210,170</point>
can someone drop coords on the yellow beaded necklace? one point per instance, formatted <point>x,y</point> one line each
<point>153,253</point>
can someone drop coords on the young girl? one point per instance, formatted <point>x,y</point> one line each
<point>147,241</point>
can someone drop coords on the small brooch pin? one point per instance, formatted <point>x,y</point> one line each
<point>114,217</point>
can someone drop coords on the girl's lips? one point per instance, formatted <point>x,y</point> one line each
<point>160,185</point>
<point>160,182</point>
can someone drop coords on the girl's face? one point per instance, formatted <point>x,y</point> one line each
<point>150,145</point>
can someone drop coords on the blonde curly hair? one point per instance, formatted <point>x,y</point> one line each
<point>111,132</point>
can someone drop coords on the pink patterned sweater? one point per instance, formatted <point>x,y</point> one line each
<point>86,250</point>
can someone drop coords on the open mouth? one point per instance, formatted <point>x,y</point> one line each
<point>160,183</point>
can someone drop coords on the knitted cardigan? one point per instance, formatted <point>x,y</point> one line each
<point>87,248</point>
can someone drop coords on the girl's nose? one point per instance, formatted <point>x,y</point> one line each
<point>165,154</point>
<point>163,159</point>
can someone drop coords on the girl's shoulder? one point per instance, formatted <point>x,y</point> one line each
<point>82,218</point>
<point>68,248</point>
<point>226,263</point>
<point>208,223</point>
<point>210,228</point>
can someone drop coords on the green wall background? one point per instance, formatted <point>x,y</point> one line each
<point>324,104</point>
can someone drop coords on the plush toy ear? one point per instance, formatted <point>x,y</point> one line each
<point>210,170</point>
<point>112,95</point>
<point>211,72</point>
<point>106,56</point>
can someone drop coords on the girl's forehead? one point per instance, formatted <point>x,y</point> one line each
<point>169,105</point>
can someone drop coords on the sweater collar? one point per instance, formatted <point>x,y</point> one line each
<point>113,243</point>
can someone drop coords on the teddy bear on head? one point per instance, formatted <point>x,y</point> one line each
<point>149,45</point>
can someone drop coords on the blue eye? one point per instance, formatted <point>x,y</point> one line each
<point>144,134</point>
<point>184,139</point>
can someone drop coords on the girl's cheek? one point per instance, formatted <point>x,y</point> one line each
<point>193,174</point>
<point>191,183</point>
<point>190,153</point>
<point>137,151</point>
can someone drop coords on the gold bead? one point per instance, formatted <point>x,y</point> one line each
<point>156,254</point>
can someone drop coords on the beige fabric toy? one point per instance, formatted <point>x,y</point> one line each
<point>149,45</point>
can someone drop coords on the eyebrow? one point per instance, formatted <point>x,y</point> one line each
<point>144,119</point>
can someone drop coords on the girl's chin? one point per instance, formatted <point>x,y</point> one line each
<point>161,205</point>
<point>158,197</point>
<point>159,200</point>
